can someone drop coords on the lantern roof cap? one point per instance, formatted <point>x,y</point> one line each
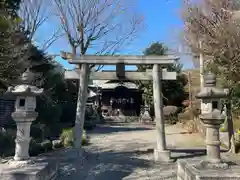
<point>210,91</point>
<point>24,90</point>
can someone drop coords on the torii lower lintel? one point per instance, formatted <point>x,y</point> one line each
<point>142,76</point>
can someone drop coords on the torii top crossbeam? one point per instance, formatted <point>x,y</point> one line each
<point>111,60</point>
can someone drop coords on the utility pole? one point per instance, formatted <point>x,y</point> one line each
<point>190,95</point>
<point>201,62</point>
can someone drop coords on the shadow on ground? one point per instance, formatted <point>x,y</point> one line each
<point>108,165</point>
<point>187,153</point>
<point>123,165</point>
<point>106,129</point>
<point>176,153</point>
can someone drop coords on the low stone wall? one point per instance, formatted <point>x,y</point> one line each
<point>191,169</point>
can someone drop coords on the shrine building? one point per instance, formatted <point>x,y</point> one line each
<point>122,97</point>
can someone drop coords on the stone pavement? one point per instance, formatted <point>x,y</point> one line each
<point>125,151</point>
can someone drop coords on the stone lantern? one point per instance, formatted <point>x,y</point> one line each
<point>24,114</point>
<point>145,116</point>
<point>213,167</point>
<point>211,115</point>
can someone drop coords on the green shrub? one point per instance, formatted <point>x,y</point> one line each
<point>7,143</point>
<point>37,147</point>
<point>46,131</point>
<point>84,138</point>
<point>46,145</point>
<point>36,131</point>
<point>222,129</point>
<point>67,137</point>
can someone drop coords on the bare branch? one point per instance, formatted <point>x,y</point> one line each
<point>99,68</point>
<point>215,24</point>
<point>102,26</point>
<point>34,14</point>
<point>47,43</point>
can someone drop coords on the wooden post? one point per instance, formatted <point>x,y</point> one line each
<point>160,153</point>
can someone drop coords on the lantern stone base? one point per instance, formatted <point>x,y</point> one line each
<point>193,170</point>
<point>34,169</point>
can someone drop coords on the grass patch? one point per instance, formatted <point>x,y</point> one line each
<point>223,129</point>
<point>236,125</point>
<point>67,138</point>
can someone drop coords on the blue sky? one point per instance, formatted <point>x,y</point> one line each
<point>162,23</point>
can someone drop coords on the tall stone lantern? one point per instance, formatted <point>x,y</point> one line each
<point>212,116</point>
<point>213,167</point>
<point>24,114</point>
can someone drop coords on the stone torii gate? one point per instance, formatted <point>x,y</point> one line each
<point>156,74</point>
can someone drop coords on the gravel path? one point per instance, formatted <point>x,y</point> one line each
<point>125,151</point>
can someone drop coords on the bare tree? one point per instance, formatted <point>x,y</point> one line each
<point>215,23</point>
<point>212,23</point>
<point>33,14</point>
<point>102,26</point>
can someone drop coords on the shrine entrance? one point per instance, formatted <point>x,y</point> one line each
<point>120,98</point>
<point>157,74</point>
<point>123,101</point>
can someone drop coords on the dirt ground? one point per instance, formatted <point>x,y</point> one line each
<point>125,151</point>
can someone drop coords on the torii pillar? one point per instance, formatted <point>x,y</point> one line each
<point>160,152</point>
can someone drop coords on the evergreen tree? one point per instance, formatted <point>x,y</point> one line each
<point>173,91</point>
<point>11,40</point>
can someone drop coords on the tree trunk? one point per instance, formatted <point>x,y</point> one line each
<point>231,137</point>
<point>81,104</point>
